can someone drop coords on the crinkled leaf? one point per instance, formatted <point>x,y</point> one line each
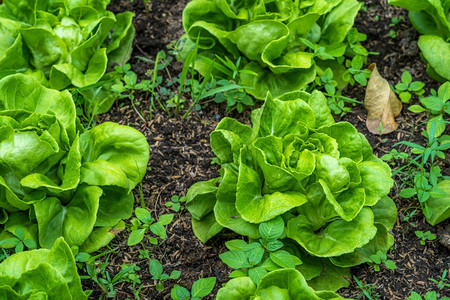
<point>336,238</point>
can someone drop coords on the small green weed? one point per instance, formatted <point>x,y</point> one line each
<point>394,22</point>
<point>393,156</point>
<point>97,273</point>
<point>408,214</point>
<point>442,279</point>
<point>18,241</point>
<point>424,236</point>
<point>257,258</point>
<point>367,290</point>
<point>156,270</point>
<point>436,106</point>
<point>407,87</point>
<point>175,203</point>
<point>127,86</point>
<point>201,288</point>
<point>329,86</point>
<point>431,295</point>
<point>3,254</point>
<point>425,182</point>
<point>144,223</point>
<point>380,258</point>
<point>355,71</point>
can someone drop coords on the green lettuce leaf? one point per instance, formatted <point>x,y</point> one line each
<point>439,206</point>
<point>267,36</point>
<point>70,183</point>
<point>47,273</point>
<point>68,43</point>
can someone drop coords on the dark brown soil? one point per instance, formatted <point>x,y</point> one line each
<point>181,155</point>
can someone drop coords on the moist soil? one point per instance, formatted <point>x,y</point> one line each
<point>180,155</point>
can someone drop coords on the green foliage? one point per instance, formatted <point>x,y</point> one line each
<point>4,254</point>
<point>436,106</point>
<point>431,295</point>
<point>394,156</point>
<point>408,214</point>
<point>380,258</point>
<point>175,203</point>
<point>367,290</point>
<point>256,259</point>
<point>431,19</point>
<point>57,180</point>
<point>336,102</point>
<point>169,92</point>
<point>441,283</point>
<point>355,71</point>
<point>429,186</point>
<point>425,236</point>
<point>127,85</point>
<point>395,21</point>
<point>41,274</point>
<point>97,272</point>
<point>279,284</point>
<point>282,44</point>
<point>156,270</point>
<point>82,42</point>
<point>407,87</point>
<point>144,223</point>
<point>235,99</point>
<point>319,176</point>
<point>201,288</point>
<point>19,241</point>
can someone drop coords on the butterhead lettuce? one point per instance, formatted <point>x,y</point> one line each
<point>41,274</point>
<point>431,19</point>
<point>296,162</point>
<point>272,37</point>
<point>56,180</point>
<point>63,43</point>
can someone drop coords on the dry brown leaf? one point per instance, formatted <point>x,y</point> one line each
<point>381,103</point>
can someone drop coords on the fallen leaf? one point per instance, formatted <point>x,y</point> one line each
<point>381,103</point>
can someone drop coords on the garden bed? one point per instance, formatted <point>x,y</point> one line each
<point>180,155</point>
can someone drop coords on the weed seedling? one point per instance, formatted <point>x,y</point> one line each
<point>436,106</point>
<point>366,290</point>
<point>380,258</point>
<point>355,71</point>
<point>336,102</point>
<point>424,236</point>
<point>408,214</point>
<point>127,86</point>
<point>18,241</point>
<point>431,295</point>
<point>98,273</point>
<point>201,288</point>
<point>81,258</point>
<point>175,202</point>
<point>156,270</point>
<point>144,254</point>
<point>394,22</point>
<point>394,156</point>
<point>425,183</point>
<point>3,255</point>
<point>223,90</point>
<point>256,259</point>
<point>407,87</point>
<point>441,282</point>
<point>393,34</point>
<point>143,223</point>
